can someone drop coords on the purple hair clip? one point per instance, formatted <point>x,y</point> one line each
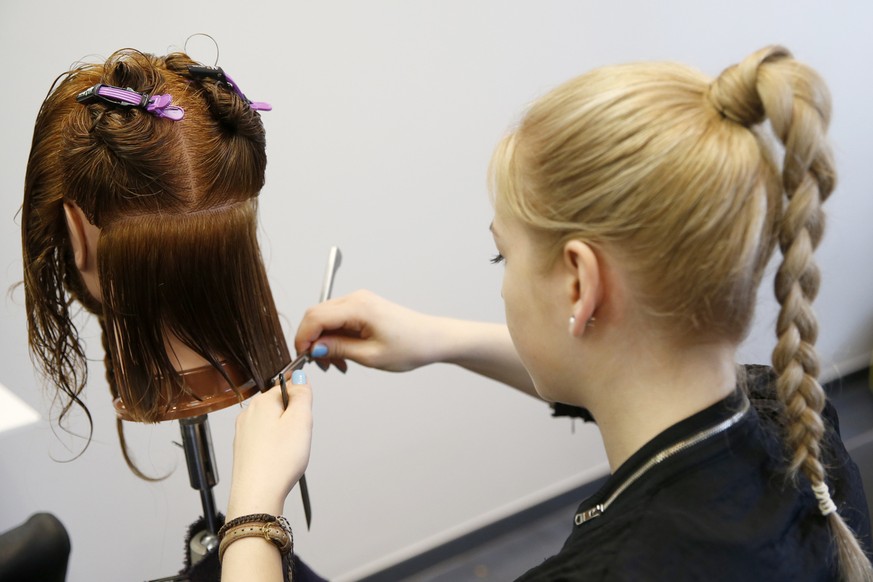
<point>157,105</point>
<point>222,77</point>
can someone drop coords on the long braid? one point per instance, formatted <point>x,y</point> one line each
<point>771,85</point>
<point>808,179</point>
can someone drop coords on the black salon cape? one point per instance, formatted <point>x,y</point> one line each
<point>718,511</point>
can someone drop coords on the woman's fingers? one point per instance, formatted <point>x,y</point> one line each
<point>271,448</point>
<point>367,329</point>
<point>344,315</point>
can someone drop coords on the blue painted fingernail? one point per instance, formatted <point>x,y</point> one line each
<point>298,377</point>
<point>318,351</point>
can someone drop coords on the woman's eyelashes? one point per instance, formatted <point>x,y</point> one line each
<point>498,258</point>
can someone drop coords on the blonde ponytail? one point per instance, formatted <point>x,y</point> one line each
<point>770,84</point>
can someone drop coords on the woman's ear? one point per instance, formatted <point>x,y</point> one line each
<point>586,284</point>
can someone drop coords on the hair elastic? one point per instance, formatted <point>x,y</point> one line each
<point>222,77</point>
<point>157,105</point>
<point>825,504</point>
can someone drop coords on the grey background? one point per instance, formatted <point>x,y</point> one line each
<point>385,116</point>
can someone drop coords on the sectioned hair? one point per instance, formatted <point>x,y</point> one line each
<point>176,204</point>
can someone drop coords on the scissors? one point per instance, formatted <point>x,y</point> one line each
<point>334,260</point>
<point>333,263</point>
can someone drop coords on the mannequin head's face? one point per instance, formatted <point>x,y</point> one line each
<point>150,223</point>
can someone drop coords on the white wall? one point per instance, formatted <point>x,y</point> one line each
<point>385,115</point>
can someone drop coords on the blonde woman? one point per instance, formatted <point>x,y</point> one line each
<point>635,209</point>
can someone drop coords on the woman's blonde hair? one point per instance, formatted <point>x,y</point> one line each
<point>176,204</point>
<point>675,173</point>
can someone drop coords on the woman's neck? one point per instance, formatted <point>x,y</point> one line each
<point>637,398</point>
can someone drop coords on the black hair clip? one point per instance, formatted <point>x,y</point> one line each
<point>217,73</point>
<point>208,71</point>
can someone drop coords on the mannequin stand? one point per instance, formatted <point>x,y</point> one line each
<point>203,476</point>
<point>200,457</point>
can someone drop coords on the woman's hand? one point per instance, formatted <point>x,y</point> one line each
<point>371,331</point>
<point>270,453</point>
<point>270,448</point>
<point>374,332</point>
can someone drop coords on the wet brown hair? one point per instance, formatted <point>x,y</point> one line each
<point>176,202</point>
<point>674,173</point>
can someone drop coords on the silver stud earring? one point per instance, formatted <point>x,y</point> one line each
<point>589,323</point>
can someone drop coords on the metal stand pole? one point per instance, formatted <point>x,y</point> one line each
<point>200,457</point>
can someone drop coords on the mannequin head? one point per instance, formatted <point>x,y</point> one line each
<point>150,224</point>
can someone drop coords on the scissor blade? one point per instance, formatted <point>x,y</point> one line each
<point>307,506</point>
<point>295,364</point>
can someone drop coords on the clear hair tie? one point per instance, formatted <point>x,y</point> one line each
<point>825,503</point>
